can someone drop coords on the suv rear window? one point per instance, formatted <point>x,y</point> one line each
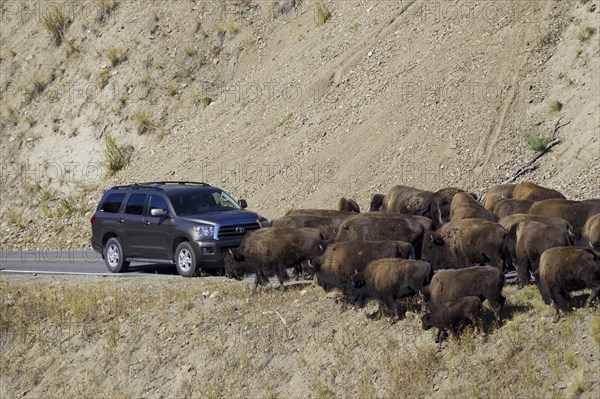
<point>113,203</point>
<point>135,204</point>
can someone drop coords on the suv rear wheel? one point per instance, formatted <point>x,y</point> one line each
<point>114,256</point>
<point>185,260</point>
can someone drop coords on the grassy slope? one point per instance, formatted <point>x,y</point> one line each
<point>164,337</point>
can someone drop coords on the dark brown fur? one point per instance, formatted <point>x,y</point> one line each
<point>466,243</point>
<point>384,226</point>
<point>464,206</point>
<point>485,282</point>
<point>574,212</point>
<point>566,269</point>
<point>328,225</point>
<point>341,260</point>
<point>452,315</point>
<point>271,251</point>
<point>348,205</point>
<point>388,280</point>
<point>511,206</point>
<point>533,192</point>
<point>511,222</point>
<point>590,234</point>
<point>496,194</point>
<point>532,239</point>
<point>412,201</point>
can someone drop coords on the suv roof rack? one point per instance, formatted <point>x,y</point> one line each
<point>155,185</point>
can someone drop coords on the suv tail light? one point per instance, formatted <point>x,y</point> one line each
<point>93,218</point>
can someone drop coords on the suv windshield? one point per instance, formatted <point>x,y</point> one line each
<point>193,202</point>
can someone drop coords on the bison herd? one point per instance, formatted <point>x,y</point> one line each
<point>447,246</point>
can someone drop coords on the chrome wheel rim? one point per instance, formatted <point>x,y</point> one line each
<point>185,260</point>
<point>112,255</point>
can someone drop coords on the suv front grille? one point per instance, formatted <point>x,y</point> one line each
<point>236,230</point>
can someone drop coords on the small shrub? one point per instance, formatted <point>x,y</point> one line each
<point>535,140</point>
<point>231,27</point>
<point>554,106</point>
<point>206,101</point>
<point>354,27</point>
<point>219,29</point>
<point>142,121</point>
<point>15,219</point>
<point>103,77</point>
<point>322,13</point>
<point>285,119</point>
<point>171,90</point>
<point>30,119</point>
<point>12,115</point>
<point>116,156</point>
<point>578,52</point>
<point>56,21</point>
<point>105,8</point>
<point>189,50</point>
<point>70,46</point>
<point>595,330</point>
<point>116,55</point>
<point>584,34</point>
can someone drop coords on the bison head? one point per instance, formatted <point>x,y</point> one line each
<point>231,261</point>
<point>426,321</point>
<point>433,243</point>
<point>357,280</point>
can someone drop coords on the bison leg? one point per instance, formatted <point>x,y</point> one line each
<point>497,308</point>
<point>593,295</point>
<point>523,273</point>
<point>477,324</point>
<point>560,302</point>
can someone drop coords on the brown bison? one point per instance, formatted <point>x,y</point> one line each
<point>511,222</point>
<point>565,269</point>
<point>533,192</point>
<point>532,239</point>
<point>574,212</point>
<point>496,194</point>
<point>512,206</point>
<point>485,282</point>
<point>334,268</point>
<point>467,242</point>
<point>348,205</point>
<point>412,201</point>
<point>452,315</point>
<point>388,280</point>
<point>328,225</point>
<point>270,251</point>
<point>590,234</point>
<point>374,227</point>
<point>464,206</point>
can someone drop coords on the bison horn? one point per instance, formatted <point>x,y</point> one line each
<point>230,252</point>
<point>320,247</point>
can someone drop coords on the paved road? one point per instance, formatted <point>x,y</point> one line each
<point>71,261</point>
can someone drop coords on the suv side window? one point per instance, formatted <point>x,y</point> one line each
<point>113,203</point>
<point>135,204</point>
<point>157,202</point>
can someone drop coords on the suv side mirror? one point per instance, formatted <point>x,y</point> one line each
<point>157,212</point>
<point>243,203</point>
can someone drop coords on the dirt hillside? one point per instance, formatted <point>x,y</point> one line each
<point>267,102</point>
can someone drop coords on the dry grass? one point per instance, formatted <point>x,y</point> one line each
<point>116,156</point>
<point>142,122</point>
<point>554,106</point>
<point>584,34</point>
<point>322,13</point>
<point>208,338</point>
<point>116,55</point>
<point>56,21</point>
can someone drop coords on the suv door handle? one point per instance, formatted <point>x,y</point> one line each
<point>147,223</point>
<point>120,221</point>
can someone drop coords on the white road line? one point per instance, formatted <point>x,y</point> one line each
<point>66,273</point>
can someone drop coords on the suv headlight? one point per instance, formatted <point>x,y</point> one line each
<point>202,232</point>
<point>264,222</point>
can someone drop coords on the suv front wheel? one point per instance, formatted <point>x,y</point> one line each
<point>185,260</point>
<point>114,256</point>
